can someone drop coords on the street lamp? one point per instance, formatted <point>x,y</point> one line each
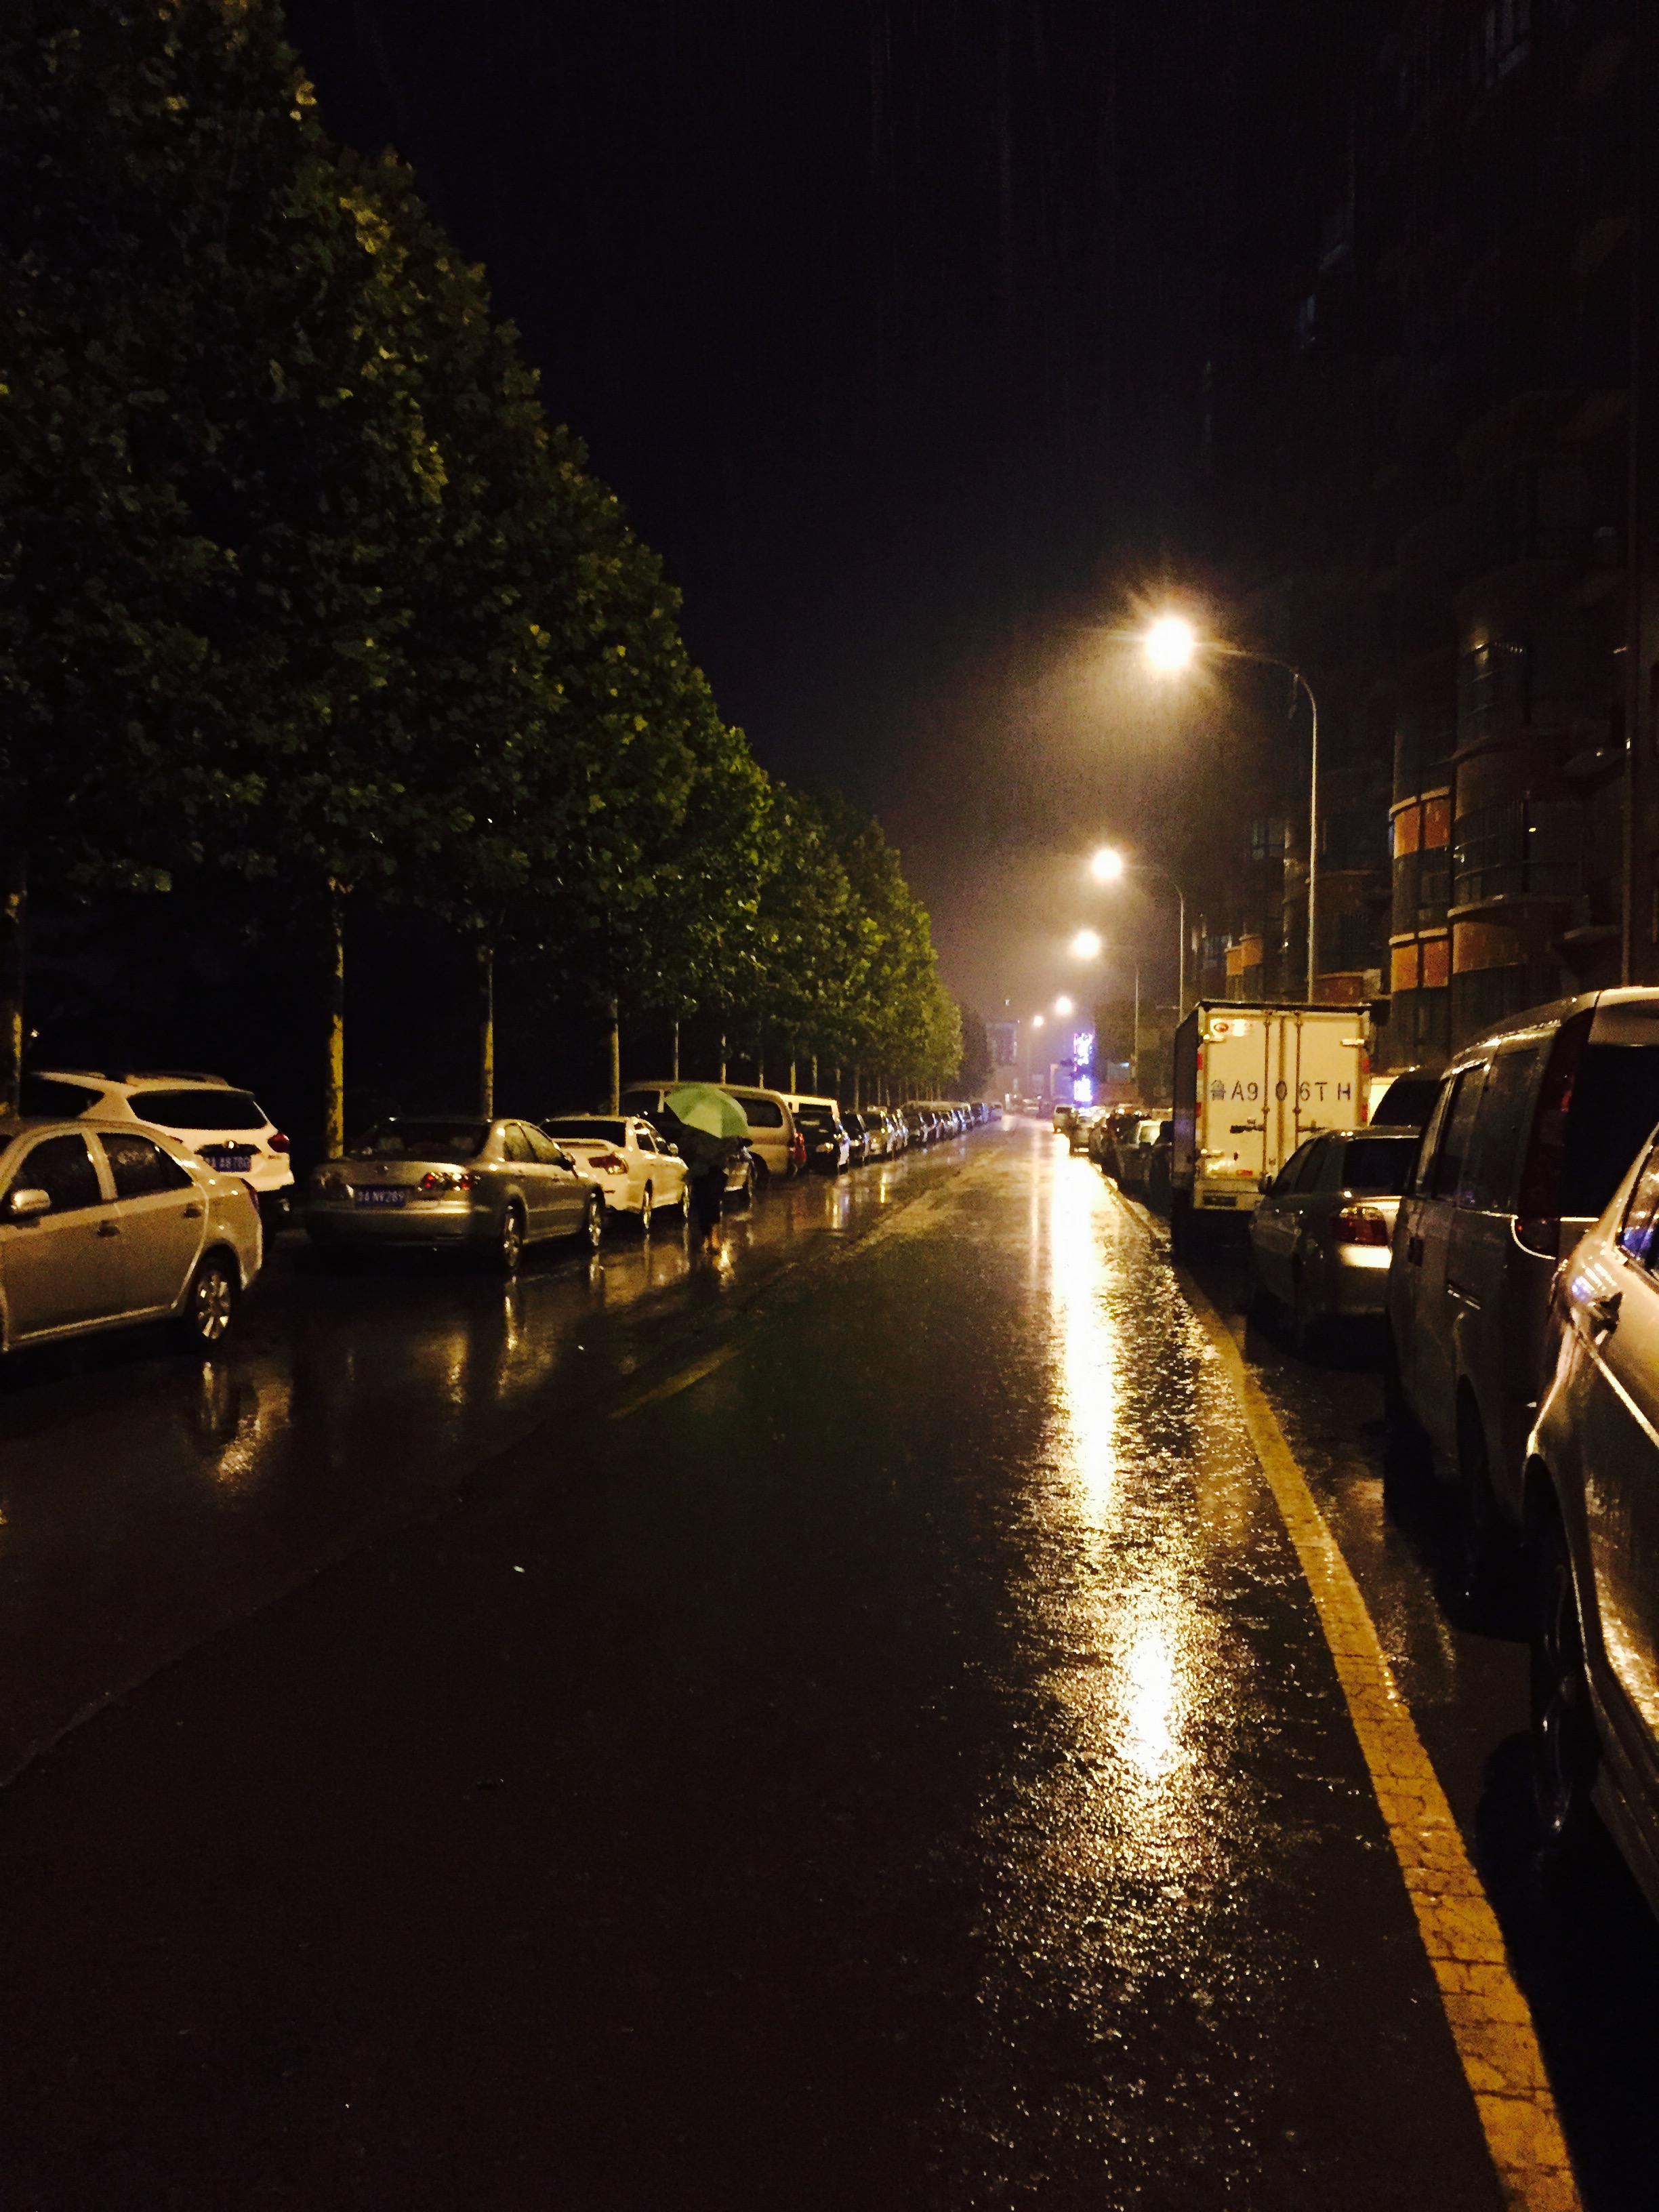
<point>1085,945</point>
<point>1062,1005</point>
<point>1109,867</point>
<point>1171,644</point>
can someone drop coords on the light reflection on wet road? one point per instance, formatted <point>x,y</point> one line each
<point>901,1769</point>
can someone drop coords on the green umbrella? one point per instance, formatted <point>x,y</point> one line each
<point>700,1106</point>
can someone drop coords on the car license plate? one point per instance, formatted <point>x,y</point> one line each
<point>380,1194</point>
<point>230,1163</point>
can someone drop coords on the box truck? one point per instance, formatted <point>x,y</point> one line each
<point>1251,1084</point>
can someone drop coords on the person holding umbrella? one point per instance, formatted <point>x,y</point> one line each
<point>709,1128</point>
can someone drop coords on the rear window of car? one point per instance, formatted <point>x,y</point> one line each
<point>1378,1166</point>
<point>198,1109</point>
<point>48,1096</point>
<point>587,1125</point>
<point>815,1117</point>
<point>447,1142</point>
<point>1615,1105</point>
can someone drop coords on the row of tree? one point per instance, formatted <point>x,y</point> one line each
<point>298,581</point>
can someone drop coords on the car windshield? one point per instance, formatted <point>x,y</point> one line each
<point>198,1109</point>
<point>587,1125</point>
<point>1615,1104</point>
<point>1378,1166</point>
<point>448,1143</point>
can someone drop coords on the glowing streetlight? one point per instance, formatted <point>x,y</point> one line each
<point>1062,1005</point>
<point>1171,644</point>
<point>1037,1021</point>
<point>1085,945</point>
<point>1107,866</point>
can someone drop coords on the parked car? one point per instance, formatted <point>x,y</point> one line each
<point>1115,1129</point>
<point>923,1125</point>
<point>1135,1155</point>
<point>203,1113</point>
<point>819,1120</point>
<point>1591,1511</point>
<point>639,1173</point>
<point>453,1182</point>
<point>1084,1122</point>
<point>103,1225</point>
<point>776,1145</point>
<point>1405,1100</point>
<point>860,1133</point>
<point>1321,1233</point>
<point>1064,1116</point>
<point>877,1127</point>
<point>1535,1125</point>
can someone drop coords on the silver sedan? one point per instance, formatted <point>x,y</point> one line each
<point>453,1182</point>
<point>103,1225</point>
<point>1321,1233</point>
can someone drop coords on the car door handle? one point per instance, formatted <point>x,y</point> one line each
<point>1464,1297</point>
<point>1604,1313</point>
<point>192,1213</point>
<point>1414,1250</point>
<point>109,1229</point>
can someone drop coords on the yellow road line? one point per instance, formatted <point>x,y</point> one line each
<point>676,1383</point>
<point>1488,2016</point>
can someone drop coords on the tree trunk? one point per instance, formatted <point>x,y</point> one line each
<point>334,1079</point>
<point>486,1029</point>
<point>721,1076</point>
<point>856,1100</point>
<point>613,1102</point>
<point>674,1054</point>
<point>794,1086</point>
<point>814,1073</point>
<point>13,926</point>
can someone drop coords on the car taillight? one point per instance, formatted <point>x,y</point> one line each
<point>612,1163</point>
<point>798,1148</point>
<point>278,1143</point>
<point>1362,1225</point>
<point>432,1183</point>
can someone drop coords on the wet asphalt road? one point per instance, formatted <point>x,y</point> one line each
<point>841,1724</point>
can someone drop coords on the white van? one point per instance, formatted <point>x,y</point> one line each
<point>773,1137</point>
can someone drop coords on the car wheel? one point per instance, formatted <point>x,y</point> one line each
<point>1306,1325</point>
<point>594,1225</point>
<point>211,1303</point>
<point>1564,1750</point>
<point>645,1211</point>
<point>509,1244</point>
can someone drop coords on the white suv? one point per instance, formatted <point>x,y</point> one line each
<point>204,1114</point>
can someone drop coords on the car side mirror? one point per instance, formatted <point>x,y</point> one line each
<point>565,1161</point>
<point>675,1151</point>
<point>27,1205</point>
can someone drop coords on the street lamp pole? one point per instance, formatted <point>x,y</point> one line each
<point>1172,644</point>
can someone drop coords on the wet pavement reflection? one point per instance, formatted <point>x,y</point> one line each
<point>837,1724</point>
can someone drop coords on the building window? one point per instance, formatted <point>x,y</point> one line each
<point>1266,840</point>
<point>1517,847</point>
<point>1491,685</point>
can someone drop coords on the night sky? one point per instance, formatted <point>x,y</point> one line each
<point>887,318</point>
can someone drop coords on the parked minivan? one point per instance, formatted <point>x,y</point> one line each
<point>1535,1127</point>
<point>772,1138</point>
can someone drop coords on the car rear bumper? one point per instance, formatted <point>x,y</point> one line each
<point>407,1224</point>
<point>1358,1283</point>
